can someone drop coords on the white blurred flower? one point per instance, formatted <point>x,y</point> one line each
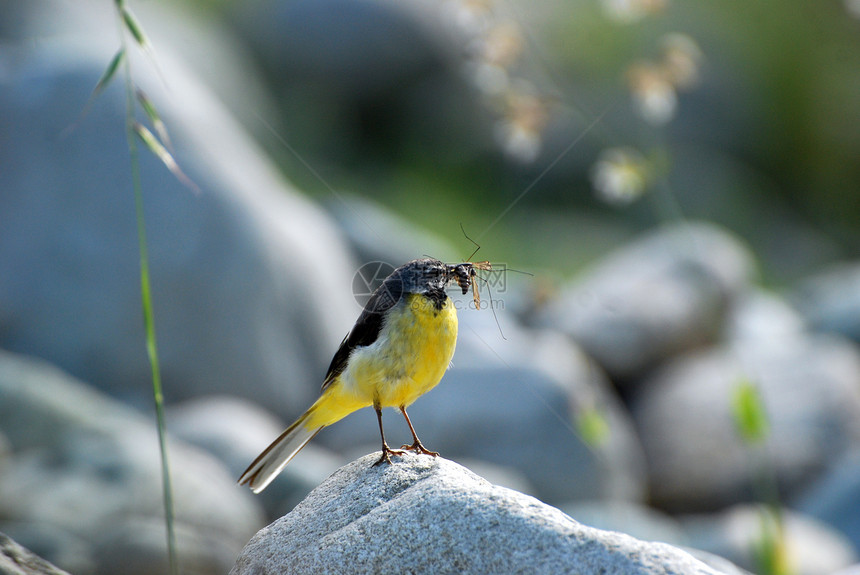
<point>519,143</point>
<point>630,11</point>
<point>525,117</point>
<point>471,16</point>
<point>681,60</point>
<point>653,93</point>
<point>490,79</point>
<point>620,175</point>
<point>853,7</point>
<point>503,45</point>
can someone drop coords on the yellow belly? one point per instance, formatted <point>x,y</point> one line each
<point>408,359</point>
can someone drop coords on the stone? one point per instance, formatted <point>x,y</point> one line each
<point>251,281</point>
<point>235,431</point>
<point>87,465</point>
<point>635,519</point>
<point>810,390</point>
<point>370,227</point>
<point>74,553</point>
<point>391,88</point>
<point>810,546</point>
<point>761,316</point>
<point>16,560</point>
<point>835,498</point>
<point>665,293</point>
<point>830,301</point>
<point>430,515</point>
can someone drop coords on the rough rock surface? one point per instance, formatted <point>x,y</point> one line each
<point>16,560</point>
<point>430,515</point>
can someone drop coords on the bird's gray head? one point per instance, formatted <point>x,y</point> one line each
<point>421,276</point>
<point>425,276</point>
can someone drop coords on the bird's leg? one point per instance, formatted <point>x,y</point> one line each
<point>387,452</point>
<point>416,446</point>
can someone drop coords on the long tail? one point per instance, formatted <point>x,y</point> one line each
<point>275,457</point>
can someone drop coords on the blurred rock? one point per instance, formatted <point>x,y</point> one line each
<point>831,301</point>
<point>634,519</point>
<point>515,403</point>
<point>378,234</point>
<point>645,523</point>
<point>138,546</point>
<point>810,389</point>
<point>250,280</point>
<point>5,450</point>
<point>236,431</point>
<point>810,547</point>
<point>400,519</point>
<point>759,317</point>
<point>835,498</point>
<point>230,428</point>
<point>16,560</point>
<point>391,88</point>
<point>88,465</point>
<point>665,293</point>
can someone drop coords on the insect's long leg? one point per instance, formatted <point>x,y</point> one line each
<point>477,245</point>
<point>476,293</point>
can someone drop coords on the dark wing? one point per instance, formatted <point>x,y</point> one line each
<point>367,327</point>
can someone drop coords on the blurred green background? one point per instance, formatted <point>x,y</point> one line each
<point>386,101</point>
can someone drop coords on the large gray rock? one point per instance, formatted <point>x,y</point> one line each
<point>665,293</point>
<point>429,515</point>
<point>251,281</point>
<point>16,560</point>
<point>516,403</point>
<point>810,389</point>
<point>89,466</point>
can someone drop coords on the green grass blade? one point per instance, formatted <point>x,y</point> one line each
<point>154,118</point>
<point>152,349</point>
<point>592,426</point>
<point>749,413</point>
<point>133,26</point>
<point>151,142</point>
<point>109,73</point>
<point>132,133</point>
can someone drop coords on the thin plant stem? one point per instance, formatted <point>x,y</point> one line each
<point>148,315</point>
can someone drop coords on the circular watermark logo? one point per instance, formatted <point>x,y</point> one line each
<point>367,278</point>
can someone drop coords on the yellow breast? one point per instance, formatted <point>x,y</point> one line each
<point>410,356</point>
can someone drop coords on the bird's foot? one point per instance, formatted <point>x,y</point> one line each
<point>387,452</point>
<point>417,447</point>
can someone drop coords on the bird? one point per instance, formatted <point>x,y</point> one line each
<point>399,349</point>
